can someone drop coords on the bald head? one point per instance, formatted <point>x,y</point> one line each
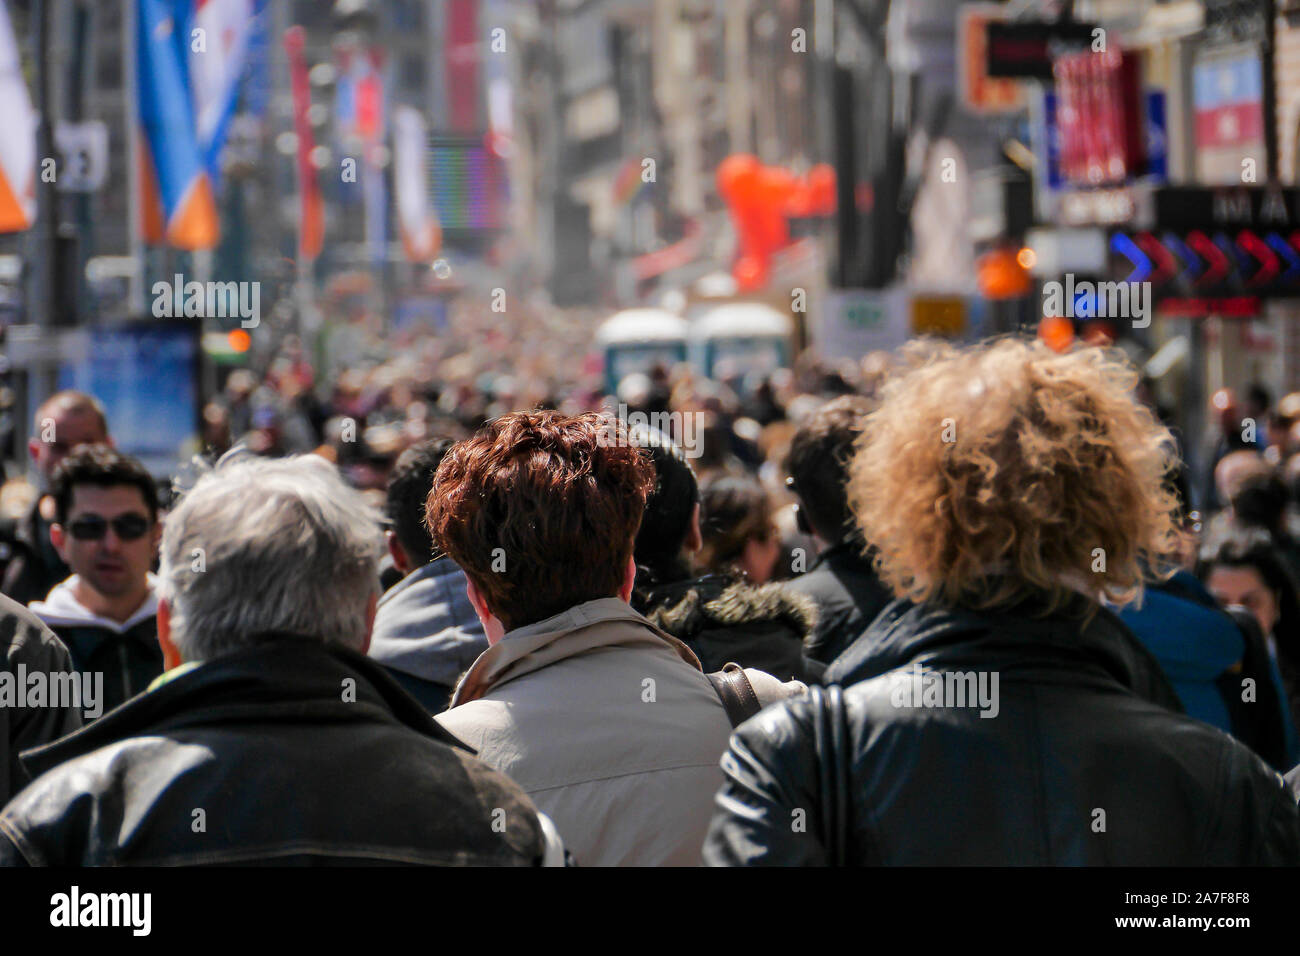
<point>1234,468</point>
<point>64,421</point>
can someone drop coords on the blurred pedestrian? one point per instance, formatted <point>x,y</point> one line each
<point>841,583</point>
<point>426,632</point>
<point>721,618</point>
<point>1245,570</point>
<point>737,527</point>
<point>33,565</point>
<point>28,648</point>
<point>106,529</point>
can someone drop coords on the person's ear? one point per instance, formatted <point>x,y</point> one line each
<point>372,607</point>
<point>397,552</point>
<point>629,579</point>
<point>59,538</point>
<point>694,537</point>
<point>493,629</point>
<point>171,656</point>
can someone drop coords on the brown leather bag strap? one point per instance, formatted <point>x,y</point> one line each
<point>736,692</point>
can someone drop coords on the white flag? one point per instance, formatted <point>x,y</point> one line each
<point>418,223</point>
<point>18,142</point>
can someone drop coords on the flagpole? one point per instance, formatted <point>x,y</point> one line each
<point>135,238</point>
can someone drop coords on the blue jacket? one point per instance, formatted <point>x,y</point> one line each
<point>1195,642</point>
<point>426,633</point>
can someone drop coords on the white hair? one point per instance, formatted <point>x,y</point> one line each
<point>269,545</point>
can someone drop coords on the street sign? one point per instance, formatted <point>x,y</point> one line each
<point>1100,114</point>
<point>1026,49</point>
<point>853,322</point>
<point>1210,263</point>
<point>943,315</point>
<point>1184,208</point>
<point>981,93</point>
<point>83,156</point>
<point>1228,105</point>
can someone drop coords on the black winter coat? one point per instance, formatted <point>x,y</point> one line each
<point>28,647</point>
<point>1087,761</point>
<point>848,596</point>
<point>29,565</point>
<point>129,661</point>
<point>295,753</point>
<point>759,626</point>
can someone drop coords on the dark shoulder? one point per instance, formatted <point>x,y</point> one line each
<point>24,637</point>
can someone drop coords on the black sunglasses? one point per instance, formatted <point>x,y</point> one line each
<point>127,527</point>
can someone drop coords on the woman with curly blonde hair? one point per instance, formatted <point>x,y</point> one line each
<point>998,712</point>
<point>1009,469</point>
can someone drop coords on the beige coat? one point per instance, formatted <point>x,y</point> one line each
<point>609,725</point>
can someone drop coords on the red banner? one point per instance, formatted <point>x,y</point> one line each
<point>311,228</point>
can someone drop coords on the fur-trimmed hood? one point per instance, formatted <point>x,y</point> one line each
<point>686,608</point>
<point>760,626</point>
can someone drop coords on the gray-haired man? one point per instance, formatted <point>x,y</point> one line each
<point>271,738</point>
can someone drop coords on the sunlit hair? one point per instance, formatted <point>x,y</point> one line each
<point>263,547</point>
<point>1005,469</point>
<point>541,510</point>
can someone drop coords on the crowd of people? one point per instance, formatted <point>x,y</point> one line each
<point>947,606</point>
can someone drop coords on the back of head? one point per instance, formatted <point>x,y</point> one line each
<point>408,491</point>
<point>669,507</point>
<point>1006,469</point>
<point>734,509</point>
<point>818,464</point>
<point>1259,500</point>
<point>73,404</point>
<point>1234,468</point>
<point>264,546</point>
<point>541,510</point>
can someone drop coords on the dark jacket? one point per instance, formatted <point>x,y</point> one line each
<point>763,627</point>
<point>294,751</point>
<point>27,647</point>
<point>127,654</point>
<point>30,564</point>
<point>848,596</point>
<point>1087,759</point>
<point>426,632</point>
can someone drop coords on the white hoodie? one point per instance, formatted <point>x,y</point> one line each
<point>61,607</point>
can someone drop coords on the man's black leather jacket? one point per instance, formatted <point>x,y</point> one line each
<point>1085,760</point>
<point>289,752</point>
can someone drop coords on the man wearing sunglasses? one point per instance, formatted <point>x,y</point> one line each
<point>107,530</point>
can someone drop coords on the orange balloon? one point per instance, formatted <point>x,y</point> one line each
<point>801,203</point>
<point>750,273</point>
<point>821,183</point>
<point>1001,276</point>
<point>1057,331</point>
<point>736,173</point>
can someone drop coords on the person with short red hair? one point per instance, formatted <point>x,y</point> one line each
<point>606,721</point>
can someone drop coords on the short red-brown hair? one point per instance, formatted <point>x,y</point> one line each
<point>541,511</point>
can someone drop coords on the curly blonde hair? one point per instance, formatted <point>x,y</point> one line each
<point>997,471</point>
